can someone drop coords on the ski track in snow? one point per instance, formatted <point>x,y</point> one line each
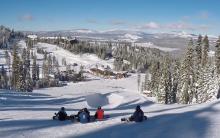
<point>30,114</point>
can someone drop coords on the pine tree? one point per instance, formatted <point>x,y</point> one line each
<point>15,68</point>
<point>45,71</point>
<point>21,85</point>
<point>175,80</point>
<point>28,57</point>
<point>81,77</point>
<point>155,77</point>
<point>37,72</point>
<point>29,83</point>
<point>185,89</point>
<point>198,58</point>
<point>164,91</point>
<point>50,62</point>
<point>205,51</point>
<point>217,56</point>
<point>207,84</point>
<point>26,63</point>
<point>3,78</point>
<point>34,69</point>
<point>45,56</point>
<point>198,50</point>
<point>8,62</point>
<point>56,66</point>
<point>24,54</point>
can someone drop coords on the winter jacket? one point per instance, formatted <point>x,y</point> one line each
<point>62,115</point>
<point>138,115</point>
<point>99,114</point>
<point>83,117</point>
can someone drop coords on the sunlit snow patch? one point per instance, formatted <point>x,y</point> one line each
<point>114,100</point>
<point>3,98</point>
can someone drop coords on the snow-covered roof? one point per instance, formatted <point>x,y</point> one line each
<point>32,36</point>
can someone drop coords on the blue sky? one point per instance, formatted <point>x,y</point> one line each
<point>196,16</point>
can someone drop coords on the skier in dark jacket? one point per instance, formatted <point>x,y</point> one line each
<point>138,115</point>
<point>61,115</point>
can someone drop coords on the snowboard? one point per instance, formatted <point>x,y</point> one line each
<point>71,117</point>
<point>93,119</point>
<point>128,120</point>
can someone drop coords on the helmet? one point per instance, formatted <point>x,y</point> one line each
<point>99,107</point>
<point>138,107</point>
<point>62,108</point>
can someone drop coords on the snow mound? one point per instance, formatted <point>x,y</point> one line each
<point>97,99</point>
<point>114,100</point>
<point>110,101</point>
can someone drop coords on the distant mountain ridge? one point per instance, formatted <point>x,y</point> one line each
<point>177,39</point>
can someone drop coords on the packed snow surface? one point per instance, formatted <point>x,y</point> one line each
<point>29,114</point>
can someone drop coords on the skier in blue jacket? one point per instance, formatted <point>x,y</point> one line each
<point>84,116</point>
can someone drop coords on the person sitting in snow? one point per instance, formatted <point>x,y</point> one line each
<point>99,113</point>
<point>83,116</point>
<point>138,115</point>
<point>61,115</point>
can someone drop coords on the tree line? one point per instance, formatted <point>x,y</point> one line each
<point>191,79</point>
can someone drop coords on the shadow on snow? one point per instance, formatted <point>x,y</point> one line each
<point>181,125</point>
<point>11,126</point>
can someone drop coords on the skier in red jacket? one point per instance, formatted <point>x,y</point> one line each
<point>99,113</point>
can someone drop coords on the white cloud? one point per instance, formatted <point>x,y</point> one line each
<point>150,25</point>
<point>173,26</point>
<point>180,26</point>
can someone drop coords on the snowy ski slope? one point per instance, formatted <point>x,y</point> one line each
<point>28,115</point>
